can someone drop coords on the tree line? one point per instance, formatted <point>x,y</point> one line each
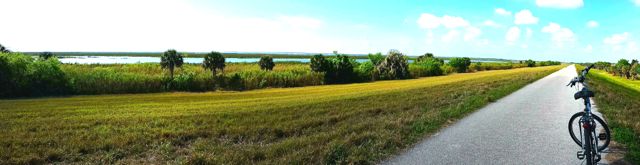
<point>623,68</point>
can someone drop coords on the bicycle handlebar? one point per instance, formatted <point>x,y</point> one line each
<point>580,78</point>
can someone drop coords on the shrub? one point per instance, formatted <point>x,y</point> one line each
<point>23,76</point>
<point>235,82</point>
<point>394,66</point>
<point>319,63</point>
<point>365,70</point>
<point>45,55</point>
<point>623,67</point>
<point>376,59</point>
<point>341,70</point>
<point>426,67</point>
<point>634,69</point>
<point>460,64</point>
<point>266,63</point>
<point>171,59</point>
<point>549,63</point>
<point>530,63</point>
<point>602,65</point>
<point>4,49</point>
<point>428,56</point>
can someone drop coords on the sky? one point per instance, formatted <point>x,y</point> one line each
<point>562,30</point>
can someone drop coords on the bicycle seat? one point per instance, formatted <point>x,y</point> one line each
<point>586,94</point>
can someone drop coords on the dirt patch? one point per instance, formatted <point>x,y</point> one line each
<point>615,154</point>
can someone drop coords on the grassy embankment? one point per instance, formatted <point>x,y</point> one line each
<point>351,123</point>
<point>619,100</point>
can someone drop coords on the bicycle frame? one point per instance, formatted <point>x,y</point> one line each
<point>588,124</point>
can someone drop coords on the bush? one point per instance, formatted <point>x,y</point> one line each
<point>623,67</point>
<point>602,65</point>
<point>341,70</point>
<point>22,76</point>
<point>394,66</point>
<point>266,63</point>
<point>426,67</point>
<point>376,59</point>
<point>549,63</point>
<point>45,55</point>
<point>530,63</point>
<point>4,49</point>
<point>460,64</point>
<point>364,71</point>
<point>319,63</point>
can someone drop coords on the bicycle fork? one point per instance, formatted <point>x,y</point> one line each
<point>589,141</point>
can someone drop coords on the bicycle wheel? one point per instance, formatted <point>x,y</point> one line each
<point>575,125</point>
<point>588,150</point>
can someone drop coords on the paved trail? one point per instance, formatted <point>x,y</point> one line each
<point>526,127</point>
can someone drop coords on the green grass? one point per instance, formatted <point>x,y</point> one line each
<point>619,100</point>
<point>333,124</point>
<point>150,77</point>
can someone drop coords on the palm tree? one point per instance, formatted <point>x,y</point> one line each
<point>171,59</point>
<point>213,61</point>
<point>266,63</point>
<point>4,49</point>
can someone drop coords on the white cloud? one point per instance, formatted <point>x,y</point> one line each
<point>637,2</point>
<point>525,17</point>
<point>490,23</point>
<point>450,36</point>
<point>588,49</point>
<point>621,41</point>
<point>560,4</point>
<point>454,22</point>
<point>529,33</point>
<point>472,33</point>
<point>617,39</point>
<point>551,28</point>
<point>502,11</point>
<point>428,21</point>
<point>559,34</point>
<point>513,34</point>
<point>524,46</point>
<point>593,24</point>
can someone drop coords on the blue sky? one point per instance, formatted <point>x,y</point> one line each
<point>565,30</point>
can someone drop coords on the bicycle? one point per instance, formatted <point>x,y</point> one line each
<point>587,124</point>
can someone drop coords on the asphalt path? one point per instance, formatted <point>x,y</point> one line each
<point>527,127</point>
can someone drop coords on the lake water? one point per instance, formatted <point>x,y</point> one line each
<point>192,60</point>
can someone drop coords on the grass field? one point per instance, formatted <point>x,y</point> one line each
<point>332,124</point>
<point>148,77</point>
<point>619,100</point>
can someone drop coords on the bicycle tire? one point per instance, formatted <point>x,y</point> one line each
<point>588,153</point>
<point>599,120</point>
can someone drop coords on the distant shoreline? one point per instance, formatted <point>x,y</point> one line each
<point>236,55</point>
